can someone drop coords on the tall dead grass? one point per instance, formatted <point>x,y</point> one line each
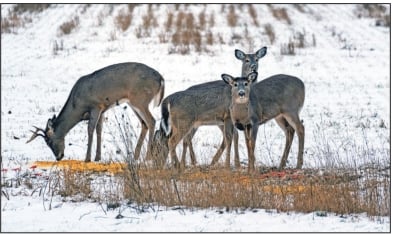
<point>336,188</point>
<point>69,26</point>
<point>280,13</point>
<point>123,20</point>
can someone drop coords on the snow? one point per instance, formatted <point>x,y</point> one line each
<point>347,79</point>
<point>30,216</point>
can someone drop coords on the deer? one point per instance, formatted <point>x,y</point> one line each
<point>208,114</point>
<point>186,110</point>
<point>134,83</point>
<point>280,97</point>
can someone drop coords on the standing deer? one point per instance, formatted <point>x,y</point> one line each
<point>200,114</point>
<point>249,64</point>
<point>93,94</point>
<point>280,97</point>
<point>186,110</point>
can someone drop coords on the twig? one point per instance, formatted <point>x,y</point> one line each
<point>178,197</point>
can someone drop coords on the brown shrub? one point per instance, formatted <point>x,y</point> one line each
<point>232,17</point>
<point>212,21</point>
<point>169,21</point>
<point>179,20</point>
<point>202,20</point>
<point>123,20</point>
<point>209,38</point>
<point>68,26</point>
<point>280,13</point>
<point>31,7</point>
<point>270,33</point>
<point>253,14</point>
<point>288,48</point>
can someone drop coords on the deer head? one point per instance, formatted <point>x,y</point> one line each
<point>158,150</point>
<point>54,143</point>
<point>250,61</point>
<point>241,86</point>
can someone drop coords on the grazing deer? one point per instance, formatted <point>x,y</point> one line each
<point>280,97</point>
<point>249,64</point>
<point>93,94</point>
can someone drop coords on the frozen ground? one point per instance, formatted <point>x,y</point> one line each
<point>347,105</point>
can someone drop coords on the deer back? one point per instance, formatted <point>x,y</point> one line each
<point>277,94</point>
<point>110,85</point>
<point>208,105</point>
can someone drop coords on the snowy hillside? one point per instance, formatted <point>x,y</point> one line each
<point>339,51</point>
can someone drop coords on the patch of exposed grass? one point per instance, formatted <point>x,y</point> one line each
<point>123,20</point>
<point>69,26</point>
<point>280,13</point>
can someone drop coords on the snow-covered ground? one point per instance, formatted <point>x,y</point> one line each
<point>25,214</point>
<point>346,74</point>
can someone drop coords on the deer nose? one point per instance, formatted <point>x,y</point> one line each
<point>242,93</point>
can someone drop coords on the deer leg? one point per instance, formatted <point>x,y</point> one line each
<point>250,133</point>
<point>228,133</point>
<point>289,133</point>
<point>294,121</point>
<point>187,143</point>
<point>148,123</point>
<point>99,137</point>
<point>236,147</point>
<point>220,150</point>
<point>94,117</point>
<point>173,141</point>
<point>192,152</point>
<point>141,136</point>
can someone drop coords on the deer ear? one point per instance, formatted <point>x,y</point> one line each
<point>49,127</point>
<point>240,54</point>
<point>261,52</point>
<point>252,77</point>
<point>227,78</point>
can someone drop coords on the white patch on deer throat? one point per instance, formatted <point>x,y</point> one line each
<point>241,100</point>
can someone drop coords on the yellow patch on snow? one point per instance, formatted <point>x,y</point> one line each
<point>77,165</point>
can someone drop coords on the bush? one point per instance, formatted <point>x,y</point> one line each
<point>123,20</point>
<point>67,27</point>
<point>280,14</point>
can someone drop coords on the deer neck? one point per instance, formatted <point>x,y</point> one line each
<point>240,113</point>
<point>67,119</point>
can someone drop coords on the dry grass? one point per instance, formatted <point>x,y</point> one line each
<point>31,7</point>
<point>187,36</point>
<point>298,40</point>
<point>300,7</point>
<point>123,20</point>
<point>12,22</point>
<point>68,26</point>
<point>280,14</point>
<point>270,33</point>
<point>253,14</point>
<point>16,17</point>
<point>288,48</point>
<point>57,46</point>
<point>337,191</point>
<point>379,12</point>
<point>169,21</point>
<point>149,22</point>
<point>232,17</point>
<point>202,20</point>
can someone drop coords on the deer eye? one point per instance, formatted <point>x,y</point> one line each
<point>235,84</point>
<point>245,84</point>
<point>247,60</point>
